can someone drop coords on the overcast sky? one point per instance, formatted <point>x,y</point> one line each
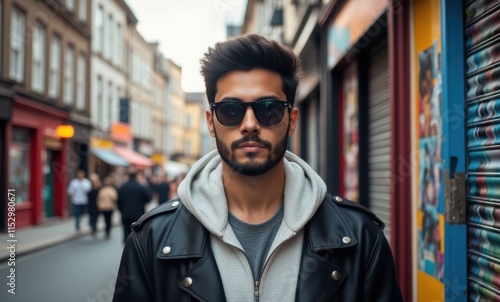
<point>186,28</point>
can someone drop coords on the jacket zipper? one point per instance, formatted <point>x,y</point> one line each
<point>256,284</point>
<point>256,290</point>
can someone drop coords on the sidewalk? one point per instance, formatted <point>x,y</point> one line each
<point>53,231</point>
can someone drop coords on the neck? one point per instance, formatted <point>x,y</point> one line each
<point>254,199</point>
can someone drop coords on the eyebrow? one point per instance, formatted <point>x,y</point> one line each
<point>266,97</point>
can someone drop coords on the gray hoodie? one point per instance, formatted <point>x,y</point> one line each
<point>202,192</point>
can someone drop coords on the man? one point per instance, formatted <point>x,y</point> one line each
<point>132,197</point>
<point>253,222</point>
<point>77,190</point>
<point>162,189</point>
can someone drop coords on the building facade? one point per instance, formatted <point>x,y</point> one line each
<point>175,112</point>
<point>45,67</point>
<point>109,78</point>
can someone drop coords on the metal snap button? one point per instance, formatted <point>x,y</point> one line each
<point>338,199</point>
<point>336,275</point>
<point>166,250</point>
<point>346,240</point>
<point>175,203</point>
<point>187,282</point>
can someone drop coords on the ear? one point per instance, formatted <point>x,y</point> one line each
<point>294,116</point>
<point>210,122</point>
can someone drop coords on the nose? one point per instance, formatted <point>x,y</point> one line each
<point>249,124</point>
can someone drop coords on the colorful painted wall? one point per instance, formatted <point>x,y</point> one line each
<point>428,140</point>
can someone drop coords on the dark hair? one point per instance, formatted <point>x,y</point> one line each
<point>246,53</point>
<point>132,174</point>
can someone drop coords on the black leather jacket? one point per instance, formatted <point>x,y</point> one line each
<point>345,258</point>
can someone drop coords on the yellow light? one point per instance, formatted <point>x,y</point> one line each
<point>65,131</point>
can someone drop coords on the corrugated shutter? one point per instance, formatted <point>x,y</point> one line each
<point>379,138</point>
<point>482,35</point>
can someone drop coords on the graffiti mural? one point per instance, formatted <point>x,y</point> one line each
<point>429,140</point>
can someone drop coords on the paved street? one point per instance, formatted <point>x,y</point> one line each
<point>83,269</point>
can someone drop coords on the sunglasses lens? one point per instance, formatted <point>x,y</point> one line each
<point>230,113</point>
<point>269,113</point>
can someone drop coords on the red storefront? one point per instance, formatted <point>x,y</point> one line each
<point>37,161</point>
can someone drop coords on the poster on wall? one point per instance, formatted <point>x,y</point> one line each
<point>350,135</point>
<point>431,257</point>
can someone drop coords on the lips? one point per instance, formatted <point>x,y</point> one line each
<point>251,146</point>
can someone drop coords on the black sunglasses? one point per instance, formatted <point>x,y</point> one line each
<point>269,112</point>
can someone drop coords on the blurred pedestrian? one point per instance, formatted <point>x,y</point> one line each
<point>175,184</point>
<point>254,222</point>
<point>162,189</point>
<point>132,198</point>
<point>92,202</point>
<point>106,202</point>
<point>143,180</point>
<point>77,190</point>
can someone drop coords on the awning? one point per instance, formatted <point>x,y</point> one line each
<point>109,157</point>
<point>134,158</point>
<point>174,169</point>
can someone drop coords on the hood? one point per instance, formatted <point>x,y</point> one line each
<point>202,192</point>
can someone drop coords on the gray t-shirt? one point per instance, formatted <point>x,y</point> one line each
<point>256,239</point>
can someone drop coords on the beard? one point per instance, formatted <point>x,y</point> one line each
<point>252,167</point>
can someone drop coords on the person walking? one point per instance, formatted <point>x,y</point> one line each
<point>254,222</point>
<point>162,189</point>
<point>77,190</point>
<point>106,203</point>
<point>132,198</point>
<point>92,202</point>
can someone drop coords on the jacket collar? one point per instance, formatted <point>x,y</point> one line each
<point>322,282</point>
<point>318,233</point>
<point>319,229</point>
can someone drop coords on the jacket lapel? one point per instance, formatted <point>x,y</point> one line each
<point>202,280</point>
<point>320,276</point>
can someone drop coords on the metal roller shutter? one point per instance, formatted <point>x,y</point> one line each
<point>379,138</point>
<point>482,49</point>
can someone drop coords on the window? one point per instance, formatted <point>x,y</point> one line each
<point>19,160</point>
<point>98,109</point>
<point>82,11</point>
<point>188,122</point>
<point>55,67</point>
<point>119,45</point>
<point>70,5</point>
<point>99,30</point>
<point>110,102</point>
<point>38,65</point>
<point>18,22</point>
<point>68,75</point>
<point>81,87</point>
<point>111,41</point>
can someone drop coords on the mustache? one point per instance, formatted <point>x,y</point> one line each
<point>251,138</point>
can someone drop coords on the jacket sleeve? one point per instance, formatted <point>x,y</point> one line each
<point>381,280</point>
<point>133,281</point>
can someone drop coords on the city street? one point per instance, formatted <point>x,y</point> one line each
<point>84,269</point>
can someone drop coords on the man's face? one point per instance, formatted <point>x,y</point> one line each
<point>249,147</point>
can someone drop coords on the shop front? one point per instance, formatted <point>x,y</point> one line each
<point>6,104</point>
<point>364,100</point>
<point>37,161</point>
